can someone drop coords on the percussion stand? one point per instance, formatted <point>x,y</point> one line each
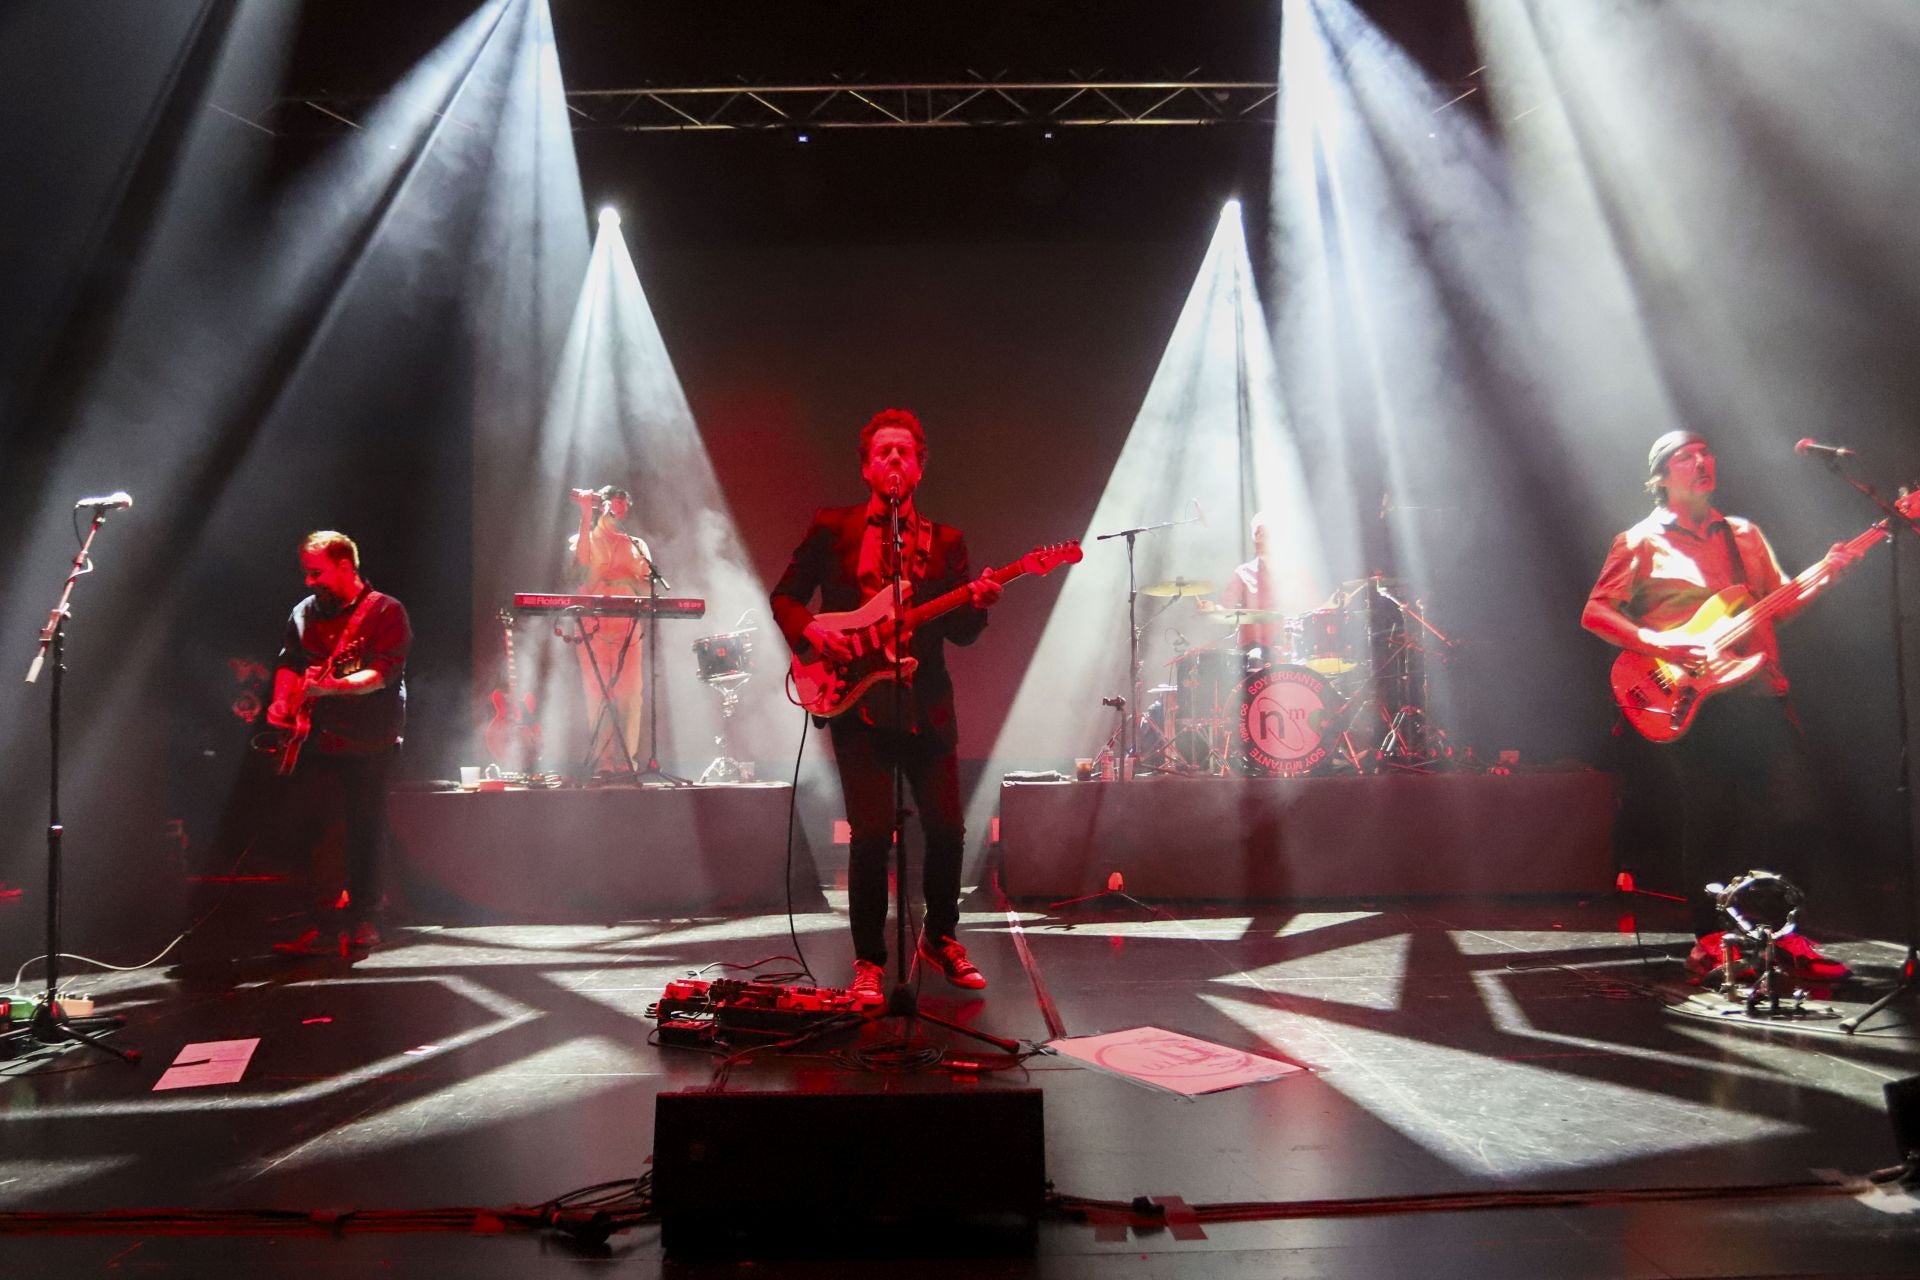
<point>655,581</point>
<point>49,1025</point>
<point>724,767</point>
<point>1129,731</point>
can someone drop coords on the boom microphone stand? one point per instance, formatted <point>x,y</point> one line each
<point>49,1025</point>
<point>1129,720</point>
<point>1903,786</point>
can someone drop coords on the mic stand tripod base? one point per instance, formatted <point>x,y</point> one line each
<point>904,1002</point>
<point>50,1029</point>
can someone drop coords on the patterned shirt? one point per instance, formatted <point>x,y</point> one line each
<point>1659,572</point>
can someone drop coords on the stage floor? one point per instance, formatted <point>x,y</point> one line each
<point>1453,1046</point>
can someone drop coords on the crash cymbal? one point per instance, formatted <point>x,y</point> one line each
<point>1180,587</point>
<point>1245,617</point>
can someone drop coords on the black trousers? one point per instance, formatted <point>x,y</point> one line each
<point>866,757</point>
<point>352,788</point>
<point>1747,799</point>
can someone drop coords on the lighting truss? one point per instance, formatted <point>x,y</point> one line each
<point>978,103</point>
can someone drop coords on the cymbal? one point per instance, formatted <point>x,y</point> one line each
<point>1244,617</point>
<point>1180,587</point>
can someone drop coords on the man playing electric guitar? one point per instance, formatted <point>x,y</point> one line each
<point>848,556</point>
<point>342,668</point>
<point>1742,757</point>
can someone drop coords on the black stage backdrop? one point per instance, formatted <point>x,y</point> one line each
<point>1015,291</point>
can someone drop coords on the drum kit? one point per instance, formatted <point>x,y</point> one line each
<point>1339,688</point>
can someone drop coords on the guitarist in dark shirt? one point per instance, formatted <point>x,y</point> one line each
<point>340,687</point>
<point>847,557</point>
<point>1742,761</point>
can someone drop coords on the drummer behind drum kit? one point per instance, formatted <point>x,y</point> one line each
<point>1339,688</point>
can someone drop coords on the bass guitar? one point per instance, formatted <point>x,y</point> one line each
<point>1659,698</point>
<point>828,689</point>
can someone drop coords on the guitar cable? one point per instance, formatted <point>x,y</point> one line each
<point>793,804</point>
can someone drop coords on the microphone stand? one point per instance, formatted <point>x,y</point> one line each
<point>1903,786</point>
<point>1129,730</point>
<point>655,581</point>
<point>903,1001</point>
<point>49,1025</point>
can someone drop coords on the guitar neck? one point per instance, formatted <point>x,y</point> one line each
<point>925,613</point>
<point>1810,582</point>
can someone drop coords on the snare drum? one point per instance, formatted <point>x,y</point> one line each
<point>725,659</point>
<point>1285,726</point>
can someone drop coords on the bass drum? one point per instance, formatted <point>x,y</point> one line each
<point>1287,722</point>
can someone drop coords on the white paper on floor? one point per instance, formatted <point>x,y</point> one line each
<point>1171,1061</point>
<point>209,1062</point>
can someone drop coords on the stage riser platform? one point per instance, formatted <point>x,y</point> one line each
<point>1403,835</point>
<point>604,854</point>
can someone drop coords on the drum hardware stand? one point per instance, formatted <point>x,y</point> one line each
<point>1903,785</point>
<point>49,1025</point>
<point>655,581</point>
<point>1133,628</point>
<point>724,767</point>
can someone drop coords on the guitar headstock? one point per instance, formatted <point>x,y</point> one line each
<point>1050,557</point>
<point>1908,504</point>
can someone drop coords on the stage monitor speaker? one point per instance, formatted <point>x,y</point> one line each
<point>848,1174</point>
<point>1903,1109</point>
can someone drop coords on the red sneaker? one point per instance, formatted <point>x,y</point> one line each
<point>310,943</point>
<point>950,958</point>
<point>869,985</point>
<point>1807,962</point>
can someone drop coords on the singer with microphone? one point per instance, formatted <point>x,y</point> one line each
<point>1741,767</point>
<point>612,562</point>
<point>847,556</point>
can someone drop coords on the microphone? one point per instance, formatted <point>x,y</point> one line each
<point>1807,448</point>
<point>893,486</point>
<point>110,502</point>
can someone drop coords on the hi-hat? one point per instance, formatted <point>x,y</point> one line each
<point>1180,587</point>
<point>1244,617</point>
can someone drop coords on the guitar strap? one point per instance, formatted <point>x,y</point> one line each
<point>347,632</point>
<point>1734,559</point>
<point>922,549</point>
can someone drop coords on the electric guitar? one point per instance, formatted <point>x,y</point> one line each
<point>1660,698</point>
<point>300,706</point>
<point>827,688</point>
<point>513,723</point>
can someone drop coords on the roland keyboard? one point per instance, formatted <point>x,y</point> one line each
<point>611,606</point>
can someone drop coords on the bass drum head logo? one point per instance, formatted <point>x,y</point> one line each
<point>1285,713</point>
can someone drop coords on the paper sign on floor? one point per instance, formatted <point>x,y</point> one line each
<point>211,1062</point>
<point>1169,1060</point>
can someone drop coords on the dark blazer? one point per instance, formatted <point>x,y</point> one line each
<point>828,561</point>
